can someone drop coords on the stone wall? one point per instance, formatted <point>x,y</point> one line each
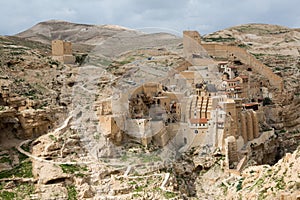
<point>67,59</point>
<point>225,51</point>
<point>193,51</point>
<point>231,152</point>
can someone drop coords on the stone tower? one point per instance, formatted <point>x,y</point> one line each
<point>62,51</point>
<point>192,49</point>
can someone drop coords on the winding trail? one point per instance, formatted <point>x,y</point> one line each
<point>125,175</point>
<point>63,126</point>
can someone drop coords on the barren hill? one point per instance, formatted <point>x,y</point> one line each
<point>260,38</point>
<point>77,33</point>
<point>109,39</point>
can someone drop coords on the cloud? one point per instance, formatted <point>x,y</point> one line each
<point>204,16</point>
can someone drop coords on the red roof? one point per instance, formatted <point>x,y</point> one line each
<point>251,104</point>
<point>198,120</point>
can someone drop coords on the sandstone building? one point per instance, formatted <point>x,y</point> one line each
<point>208,104</point>
<point>62,51</point>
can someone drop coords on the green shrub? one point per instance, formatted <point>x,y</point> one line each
<point>72,193</point>
<point>73,169</point>
<point>169,195</point>
<point>23,170</point>
<point>5,159</point>
<point>240,184</point>
<point>5,195</point>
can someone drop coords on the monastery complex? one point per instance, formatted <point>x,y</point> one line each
<point>210,102</point>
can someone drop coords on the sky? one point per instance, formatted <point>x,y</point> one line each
<point>205,16</point>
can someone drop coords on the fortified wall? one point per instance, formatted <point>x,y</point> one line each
<point>196,53</point>
<point>224,51</point>
<point>193,51</point>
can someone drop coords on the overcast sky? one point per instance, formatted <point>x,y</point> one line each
<point>206,16</point>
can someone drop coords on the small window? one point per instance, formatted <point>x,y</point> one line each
<point>196,131</point>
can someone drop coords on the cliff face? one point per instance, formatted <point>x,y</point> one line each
<point>31,87</point>
<point>280,181</point>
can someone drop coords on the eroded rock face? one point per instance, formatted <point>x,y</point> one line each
<point>54,191</point>
<point>280,181</point>
<point>87,191</point>
<point>48,173</point>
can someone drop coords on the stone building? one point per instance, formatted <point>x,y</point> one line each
<point>204,106</point>
<point>62,51</point>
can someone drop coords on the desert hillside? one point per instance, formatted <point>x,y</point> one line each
<point>107,39</point>
<point>52,143</point>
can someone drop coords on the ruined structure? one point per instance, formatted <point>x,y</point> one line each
<point>62,51</point>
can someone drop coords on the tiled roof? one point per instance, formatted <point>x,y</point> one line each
<point>198,120</point>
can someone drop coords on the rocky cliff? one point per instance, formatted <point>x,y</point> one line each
<point>34,88</point>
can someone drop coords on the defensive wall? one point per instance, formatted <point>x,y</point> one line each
<point>225,51</point>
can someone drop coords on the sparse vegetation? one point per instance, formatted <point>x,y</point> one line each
<point>280,184</point>
<point>240,184</point>
<point>23,170</point>
<point>24,190</point>
<point>169,195</point>
<point>31,94</point>
<point>257,184</point>
<point>74,169</point>
<point>5,195</point>
<point>243,46</point>
<point>150,158</point>
<point>72,193</point>
<point>53,62</point>
<point>52,137</point>
<point>79,59</point>
<point>105,62</point>
<point>219,39</point>
<point>139,188</point>
<point>26,147</point>
<point>5,159</point>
